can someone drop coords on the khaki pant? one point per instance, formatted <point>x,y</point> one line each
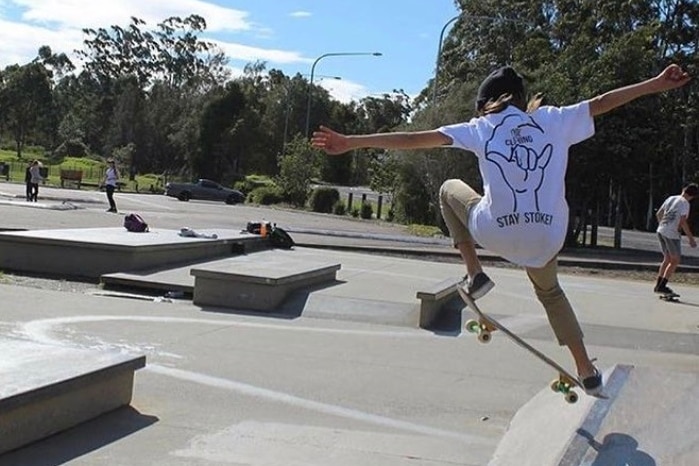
<point>457,199</point>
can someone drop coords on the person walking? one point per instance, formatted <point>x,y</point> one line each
<point>111,178</point>
<point>522,151</point>
<point>34,180</point>
<point>672,216</point>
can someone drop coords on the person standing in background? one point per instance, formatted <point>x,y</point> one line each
<point>111,178</point>
<point>672,216</point>
<point>28,181</point>
<point>34,180</point>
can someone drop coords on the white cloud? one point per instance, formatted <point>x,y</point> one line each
<point>59,24</point>
<point>85,13</point>
<point>343,90</point>
<point>19,43</point>
<point>250,54</point>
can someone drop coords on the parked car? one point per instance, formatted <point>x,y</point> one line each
<point>206,190</point>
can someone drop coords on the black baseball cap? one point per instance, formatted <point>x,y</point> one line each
<point>504,80</point>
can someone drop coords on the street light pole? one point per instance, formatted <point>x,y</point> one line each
<point>288,107</point>
<point>313,68</point>
<point>439,56</point>
<point>441,39</point>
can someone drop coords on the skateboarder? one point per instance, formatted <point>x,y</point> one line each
<point>672,216</point>
<point>522,151</point>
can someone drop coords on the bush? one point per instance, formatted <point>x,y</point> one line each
<point>340,208</point>
<point>72,148</point>
<point>323,200</point>
<point>265,195</point>
<point>252,182</point>
<point>367,211</point>
<point>355,212</point>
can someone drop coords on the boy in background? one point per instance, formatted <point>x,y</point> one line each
<point>672,216</point>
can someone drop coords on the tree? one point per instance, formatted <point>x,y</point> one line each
<point>219,142</point>
<point>24,96</point>
<point>298,166</point>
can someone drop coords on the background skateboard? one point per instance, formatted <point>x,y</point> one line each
<point>671,297</point>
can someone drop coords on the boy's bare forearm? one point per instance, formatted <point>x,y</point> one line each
<point>398,140</point>
<point>670,78</point>
<point>621,96</point>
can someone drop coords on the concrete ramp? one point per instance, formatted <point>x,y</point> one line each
<point>648,420</point>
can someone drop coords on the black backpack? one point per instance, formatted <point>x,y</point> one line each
<point>280,238</point>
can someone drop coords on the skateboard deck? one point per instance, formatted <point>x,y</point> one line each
<point>670,297</point>
<point>566,383</point>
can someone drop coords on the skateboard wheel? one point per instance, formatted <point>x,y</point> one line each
<point>571,397</point>
<point>555,386</point>
<point>472,326</point>
<point>484,336</point>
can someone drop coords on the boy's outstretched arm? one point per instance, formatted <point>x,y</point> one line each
<point>333,142</point>
<point>671,77</point>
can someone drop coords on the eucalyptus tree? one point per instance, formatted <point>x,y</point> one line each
<point>128,63</point>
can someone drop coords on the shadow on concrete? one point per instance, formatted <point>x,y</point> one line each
<point>449,322</point>
<point>80,440</point>
<point>292,308</point>
<point>679,301</point>
<point>617,449</point>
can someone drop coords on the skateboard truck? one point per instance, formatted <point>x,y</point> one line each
<point>564,385</point>
<point>481,328</point>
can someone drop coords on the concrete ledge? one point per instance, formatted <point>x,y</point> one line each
<point>434,298</point>
<point>647,421</point>
<point>92,252</point>
<point>46,389</point>
<point>259,281</point>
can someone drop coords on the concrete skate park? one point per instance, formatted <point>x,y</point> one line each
<point>198,351</point>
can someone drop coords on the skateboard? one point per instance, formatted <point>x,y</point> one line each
<point>670,297</point>
<point>565,384</point>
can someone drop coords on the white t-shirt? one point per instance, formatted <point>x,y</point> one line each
<point>523,215</point>
<point>673,209</point>
<point>111,176</point>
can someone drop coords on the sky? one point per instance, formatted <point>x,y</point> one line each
<point>288,35</point>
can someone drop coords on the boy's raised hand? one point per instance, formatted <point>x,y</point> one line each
<point>672,77</point>
<point>330,141</point>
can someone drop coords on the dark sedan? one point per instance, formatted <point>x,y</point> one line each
<point>206,190</point>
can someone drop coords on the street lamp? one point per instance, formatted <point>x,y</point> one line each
<point>439,55</point>
<point>313,68</point>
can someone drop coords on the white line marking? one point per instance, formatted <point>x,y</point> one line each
<point>324,408</point>
<point>41,330</point>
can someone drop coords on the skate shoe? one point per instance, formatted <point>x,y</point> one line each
<point>593,383</point>
<point>478,286</point>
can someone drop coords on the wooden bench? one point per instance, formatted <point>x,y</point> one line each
<point>434,298</point>
<point>72,176</point>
